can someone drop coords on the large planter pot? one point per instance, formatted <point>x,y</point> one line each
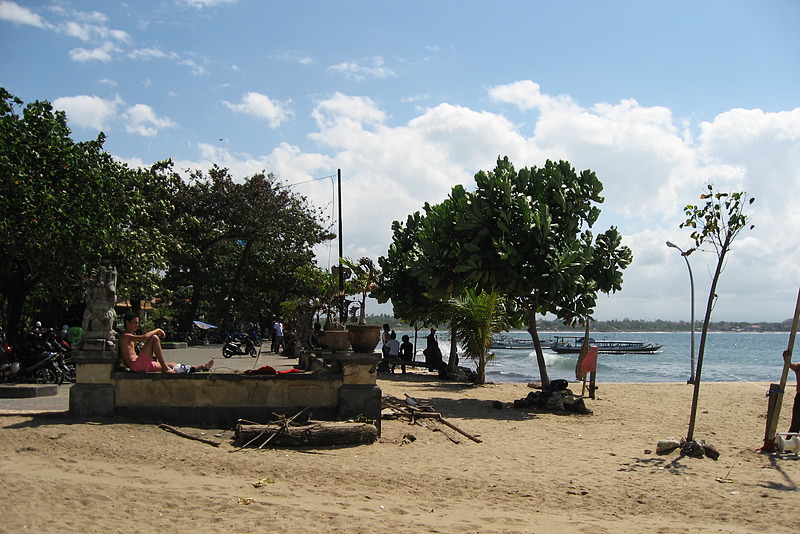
<point>364,337</point>
<point>335,340</point>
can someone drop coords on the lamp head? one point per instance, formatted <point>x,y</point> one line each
<point>671,244</point>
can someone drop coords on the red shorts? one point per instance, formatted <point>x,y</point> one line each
<point>145,364</point>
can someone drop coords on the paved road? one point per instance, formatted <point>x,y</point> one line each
<point>192,356</point>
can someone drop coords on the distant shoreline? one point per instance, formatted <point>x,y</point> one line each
<point>627,325</point>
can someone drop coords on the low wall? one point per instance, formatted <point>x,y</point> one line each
<point>223,398</point>
<point>343,388</point>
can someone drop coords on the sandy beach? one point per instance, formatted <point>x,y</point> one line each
<point>533,472</point>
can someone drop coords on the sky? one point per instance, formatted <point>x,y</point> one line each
<point>410,98</point>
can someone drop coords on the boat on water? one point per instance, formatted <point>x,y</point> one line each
<point>512,343</point>
<point>573,344</point>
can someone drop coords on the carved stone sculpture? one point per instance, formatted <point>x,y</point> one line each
<point>101,297</point>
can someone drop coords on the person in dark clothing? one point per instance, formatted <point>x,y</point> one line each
<point>795,425</point>
<point>406,352</point>
<point>433,354</point>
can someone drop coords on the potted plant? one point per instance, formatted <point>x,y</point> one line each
<point>333,304</point>
<point>363,337</point>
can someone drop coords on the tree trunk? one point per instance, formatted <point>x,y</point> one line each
<point>537,344</point>
<point>15,290</point>
<point>482,368</point>
<point>452,363</point>
<point>315,433</point>
<point>701,351</point>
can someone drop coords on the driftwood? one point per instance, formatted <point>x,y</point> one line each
<point>319,433</point>
<point>413,410</point>
<point>182,434</point>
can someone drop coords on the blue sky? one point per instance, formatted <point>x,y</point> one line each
<point>411,98</point>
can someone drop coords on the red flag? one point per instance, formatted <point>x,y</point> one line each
<point>589,363</point>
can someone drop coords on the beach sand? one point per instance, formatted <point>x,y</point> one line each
<point>533,472</point>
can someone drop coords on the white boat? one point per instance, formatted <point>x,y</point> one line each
<point>573,344</point>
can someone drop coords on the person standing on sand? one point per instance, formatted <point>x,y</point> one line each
<point>406,352</point>
<point>393,350</point>
<point>150,357</point>
<point>795,425</point>
<point>433,354</point>
<point>385,337</point>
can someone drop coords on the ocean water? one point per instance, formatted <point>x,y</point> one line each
<point>729,357</point>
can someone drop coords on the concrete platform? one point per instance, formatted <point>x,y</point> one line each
<point>27,391</point>
<point>194,355</point>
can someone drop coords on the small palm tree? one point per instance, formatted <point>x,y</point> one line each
<point>364,280</point>
<point>475,318</point>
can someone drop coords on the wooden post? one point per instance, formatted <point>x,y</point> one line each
<point>776,394</point>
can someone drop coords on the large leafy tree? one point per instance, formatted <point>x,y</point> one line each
<point>408,293</point>
<point>66,207</point>
<point>526,235</point>
<point>238,246</point>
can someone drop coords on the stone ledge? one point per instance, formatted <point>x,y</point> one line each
<point>129,375</point>
<point>24,391</point>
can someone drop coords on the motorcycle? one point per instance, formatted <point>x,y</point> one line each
<point>34,359</point>
<point>239,345</point>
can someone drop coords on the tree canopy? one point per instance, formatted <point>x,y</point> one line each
<point>65,208</point>
<point>523,234</point>
<point>204,243</point>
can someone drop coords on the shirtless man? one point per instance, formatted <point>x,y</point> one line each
<point>150,357</point>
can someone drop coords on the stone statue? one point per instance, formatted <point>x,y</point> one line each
<point>101,297</point>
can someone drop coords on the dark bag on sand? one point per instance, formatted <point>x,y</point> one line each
<point>558,384</point>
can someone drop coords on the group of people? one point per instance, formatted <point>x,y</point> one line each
<point>394,349</point>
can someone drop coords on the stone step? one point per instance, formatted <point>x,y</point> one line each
<point>23,391</point>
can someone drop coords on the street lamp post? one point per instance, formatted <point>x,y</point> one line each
<point>691,284</point>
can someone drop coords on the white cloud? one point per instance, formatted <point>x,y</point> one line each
<point>151,53</point>
<point>13,12</point>
<point>195,66</point>
<point>88,111</point>
<point>102,53</point>
<point>295,56</point>
<point>649,165</point>
<point>263,107</point>
<point>142,120</point>
<point>356,71</point>
<point>200,4</point>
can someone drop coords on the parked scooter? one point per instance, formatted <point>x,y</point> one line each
<point>239,345</point>
<point>34,359</point>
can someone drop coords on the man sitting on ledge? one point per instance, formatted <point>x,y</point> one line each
<point>150,357</point>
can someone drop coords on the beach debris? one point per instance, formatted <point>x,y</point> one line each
<point>318,433</point>
<point>666,446</point>
<point>497,405</point>
<point>557,398</point>
<point>182,434</point>
<point>263,482</point>
<point>409,438</point>
<point>696,448</point>
<point>710,450</point>
<point>411,408</point>
<point>246,500</point>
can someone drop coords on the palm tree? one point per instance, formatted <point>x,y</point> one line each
<point>475,317</point>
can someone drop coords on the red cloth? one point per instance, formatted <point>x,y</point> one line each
<point>589,363</point>
<point>267,370</point>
